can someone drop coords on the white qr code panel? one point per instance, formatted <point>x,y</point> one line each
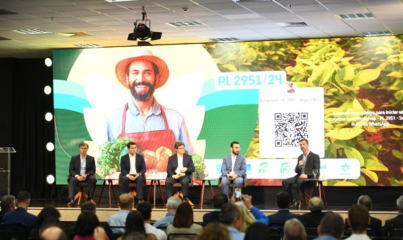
<point>286,118</point>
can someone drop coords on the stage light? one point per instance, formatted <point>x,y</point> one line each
<point>50,179</point>
<point>48,116</point>
<point>48,62</point>
<point>142,30</point>
<point>50,146</point>
<point>48,90</point>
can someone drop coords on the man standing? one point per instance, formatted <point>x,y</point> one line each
<point>180,169</point>
<point>133,167</point>
<point>82,169</point>
<point>307,162</point>
<point>119,219</point>
<point>233,169</point>
<point>143,118</point>
<point>21,214</point>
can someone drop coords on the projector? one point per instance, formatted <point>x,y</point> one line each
<point>142,31</point>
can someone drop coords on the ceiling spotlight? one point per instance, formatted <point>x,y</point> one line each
<point>142,30</point>
<point>48,62</point>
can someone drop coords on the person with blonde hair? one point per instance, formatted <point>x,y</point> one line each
<point>214,231</point>
<point>250,213</point>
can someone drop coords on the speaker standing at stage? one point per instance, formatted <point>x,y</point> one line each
<point>233,169</point>
<point>82,169</point>
<point>307,162</point>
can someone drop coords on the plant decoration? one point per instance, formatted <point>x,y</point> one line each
<point>200,168</point>
<point>111,154</point>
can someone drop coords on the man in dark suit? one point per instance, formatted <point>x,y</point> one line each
<point>82,169</point>
<point>307,162</point>
<point>7,205</point>
<point>283,214</point>
<point>218,201</point>
<point>396,221</point>
<point>21,214</point>
<point>133,167</point>
<point>313,218</point>
<point>180,169</point>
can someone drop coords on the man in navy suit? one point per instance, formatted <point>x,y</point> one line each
<point>82,169</point>
<point>233,169</point>
<point>180,169</point>
<point>283,214</point>
<point>20,214</point>
<point>133,167</point>
<point>307,162</point>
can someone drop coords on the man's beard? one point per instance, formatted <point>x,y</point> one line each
<point>145,96</point>
<point>235,153</point>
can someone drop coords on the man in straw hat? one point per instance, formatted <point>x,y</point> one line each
<point>143,119</point>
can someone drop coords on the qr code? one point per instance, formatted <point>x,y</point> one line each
<point>290,128</point>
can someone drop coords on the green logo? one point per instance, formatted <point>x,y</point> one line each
<point>345,167</point>
<point>264,168</point>
<point>323,166</point>
<point>285,168</point>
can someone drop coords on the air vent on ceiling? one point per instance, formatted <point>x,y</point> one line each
<point>32,31</point>
<point>87,45</point>
<point>224,39</point>
<point>356,16</point>
<point>6,12</point>
<point>376,33</point>
<point>2,38</point>
<point>292,24</point>
<point>186,24</point>
<point>76,34</point>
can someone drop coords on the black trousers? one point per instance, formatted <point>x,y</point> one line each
<point>183,180</point>
<point>139,186</point>
<point>287,185</point>
<point>92,181</point>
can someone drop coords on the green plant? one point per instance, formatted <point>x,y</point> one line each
<point>110,155</point>
<point>198,162</point>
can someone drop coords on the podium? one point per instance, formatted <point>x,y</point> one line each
<point>5,166</point>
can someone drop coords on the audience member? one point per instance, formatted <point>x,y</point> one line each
<point>218,200</point>
<point>257,231</point>
<point>376,223</point>
<point>294,230</point>
<point>215,231</point>
<point>248,217</point>
<point>50,222</point>
<point>331,227</point>
<point>135,225</point>
<point>7,205</point>
<point>183,221</point>
<point>20,214</point>
<point>283,214</point>
<point>314,217</point>
<point>172,204</point>
<point>136,236</point>
<point>53,233</point>
<point>231,216</point>
<point>48,211</point>
<point>85,226</point>
<point>396,220</point>
<point>358,219</point>
<point>252,211</point>
<point>119,219</point>
<point>145,209</point>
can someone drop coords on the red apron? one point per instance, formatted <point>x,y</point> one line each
<point>150,140</point>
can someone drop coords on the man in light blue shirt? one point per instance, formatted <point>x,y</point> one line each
<point>231,216</point>
<point>119,219</point>
<point>172,204</point>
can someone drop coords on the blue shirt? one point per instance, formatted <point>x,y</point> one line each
<point>118,220</point>
<point>235,234</point>
<point>165,221</point>
<point>135,122</point>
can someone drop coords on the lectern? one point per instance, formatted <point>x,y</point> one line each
<point>5,166</point>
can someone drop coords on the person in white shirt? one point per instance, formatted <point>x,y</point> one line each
<point>119,219</point>
<point>358,219</point>
<point>145,209</point>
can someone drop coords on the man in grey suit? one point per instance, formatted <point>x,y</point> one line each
<point>307,161</point>
<point>233,169</point>
<point>82,169</point>
<point>180,169</point>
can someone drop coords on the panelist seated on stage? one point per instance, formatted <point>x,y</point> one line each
<point>233,169</point>
<point>133,167</point>
<point>307,162</point>
<point>82,169</point>
<point>180,169</point>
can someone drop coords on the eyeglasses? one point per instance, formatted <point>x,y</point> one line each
<point>181,147</point>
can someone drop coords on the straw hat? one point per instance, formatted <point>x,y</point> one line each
<point>142,54</point>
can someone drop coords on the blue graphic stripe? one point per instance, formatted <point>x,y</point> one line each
<point>228,98</point>
<point>69,88</point>
<point>72,103</point>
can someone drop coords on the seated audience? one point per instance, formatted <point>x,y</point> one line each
<point>231,216</point>
<point>294,230</point>
<point>358,219</point>
<point>283,202</point>
<point>215,231</point>
<point>53,233</point>
<point>183,221</point>
<point>331,227</point>
<point>48,211</point>
<point>119,219</point>
<point>172,204</point>
<point>145,209</point>
<point>135,225</point>
<point>136,236</point>
<point>250,214</point>
<point>218,200</point>
<point>315,215</point>
<point>257,231</point>
<point>20,214</point>
<point>376,223</point>
<point>7,205</point>
<point>85,226</point>
<point>396,220</point>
